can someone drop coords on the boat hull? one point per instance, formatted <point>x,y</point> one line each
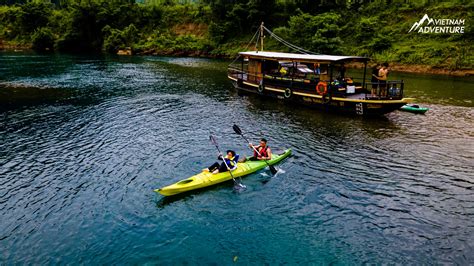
<point>356,105</point>
<point>206,179</point>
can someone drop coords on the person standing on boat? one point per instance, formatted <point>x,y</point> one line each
<point>317,70</point>
<point>230,162</point>
<point>375,79</point>
<point>262,151</point>
<point>383,73</point>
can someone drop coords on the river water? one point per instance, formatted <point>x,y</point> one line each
<point>86,139</point>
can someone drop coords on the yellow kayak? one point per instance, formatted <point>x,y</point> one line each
<point>205,179</point>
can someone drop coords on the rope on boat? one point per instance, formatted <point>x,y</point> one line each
<point>276,37</point>
<point>289,45</point>
<point>251,41</point>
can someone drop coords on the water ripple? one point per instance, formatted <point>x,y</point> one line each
<point>76,177</point>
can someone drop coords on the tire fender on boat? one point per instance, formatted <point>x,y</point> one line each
<point>288,93</point>
<point>260,88</point>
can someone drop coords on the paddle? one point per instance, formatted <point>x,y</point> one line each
<point>239,132</point>
<point>214,141</point>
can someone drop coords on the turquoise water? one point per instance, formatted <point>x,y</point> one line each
<point>86,139</point>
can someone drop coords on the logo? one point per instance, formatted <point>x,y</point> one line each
<point>438,25</point>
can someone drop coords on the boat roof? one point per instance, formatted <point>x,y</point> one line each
<point>302,57</point>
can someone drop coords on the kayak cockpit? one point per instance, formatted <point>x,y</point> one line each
<point>185,181</point>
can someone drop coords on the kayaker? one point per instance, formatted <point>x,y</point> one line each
<point>230,159</point>
<point>264,152</point>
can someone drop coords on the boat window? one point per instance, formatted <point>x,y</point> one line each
<point>244,65</point>
<point>321,69</point>
<point>339,72</point>
<point>304,69</point>
<point>271,67</point>
<point>285,68</point>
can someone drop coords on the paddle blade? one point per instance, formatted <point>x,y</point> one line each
<point>237,129</point>
<point>273,169</point>
<point>239,187</point>
<point>213,139</point>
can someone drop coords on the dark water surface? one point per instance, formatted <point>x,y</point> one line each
<point>85,140</point>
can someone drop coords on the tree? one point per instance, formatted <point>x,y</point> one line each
<point>33,16</point>
<point>43,39</point>
<point>318,33</point>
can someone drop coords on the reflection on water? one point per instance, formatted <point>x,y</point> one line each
<point>85,140</point>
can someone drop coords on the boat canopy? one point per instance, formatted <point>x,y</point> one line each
<point>302,57</point>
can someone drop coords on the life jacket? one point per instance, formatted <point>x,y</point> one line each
<point>263,152</point>
<point>232,162</point>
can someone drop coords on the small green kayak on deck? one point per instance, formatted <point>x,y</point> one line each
<point>205,179</point>
<point>414,108</point>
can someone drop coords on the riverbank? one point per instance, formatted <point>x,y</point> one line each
<point>11,46</point>
<point>422,69</point>
<point>431,70</point>
<point>376,30</point>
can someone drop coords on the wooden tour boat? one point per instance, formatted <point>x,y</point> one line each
<point>316,80</point>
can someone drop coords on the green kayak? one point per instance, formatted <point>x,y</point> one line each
<point>205,179</point>
<point>414,108</point>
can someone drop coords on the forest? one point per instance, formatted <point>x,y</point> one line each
<point>220,28</point>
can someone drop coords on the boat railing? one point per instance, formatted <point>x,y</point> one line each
<point>392,89</point>
<point>237,73</point>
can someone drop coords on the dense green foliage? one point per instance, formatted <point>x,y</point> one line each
<point>319,33</point>
<point>377,28</point>
<point>42,39</point>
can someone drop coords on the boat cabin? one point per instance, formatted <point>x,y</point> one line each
<point>312,74</point>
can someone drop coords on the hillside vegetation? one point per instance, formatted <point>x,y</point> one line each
<point>377,28</point>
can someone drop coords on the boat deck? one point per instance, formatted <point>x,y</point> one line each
<point>358,96</point>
